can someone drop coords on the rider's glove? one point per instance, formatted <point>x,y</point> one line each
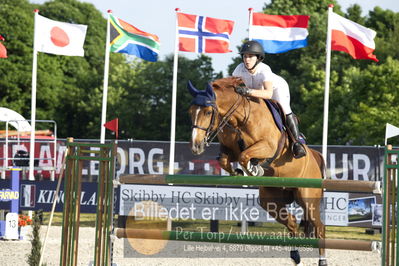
<point>243,91</point>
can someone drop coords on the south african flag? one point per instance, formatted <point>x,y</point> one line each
<point>128,39</point>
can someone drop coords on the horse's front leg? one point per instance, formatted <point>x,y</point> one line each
<point>225,163</point>
<point>226,157</point>
<point>260,150</point>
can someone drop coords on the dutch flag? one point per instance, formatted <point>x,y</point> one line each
<point>278,33</point>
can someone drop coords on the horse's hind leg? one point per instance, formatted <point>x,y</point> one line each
<point>310,200</point>
<point>274,201</point>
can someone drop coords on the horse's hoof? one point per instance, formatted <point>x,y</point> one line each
<point>294,255</point>
<point>238,172</point>
<point>322,262</point>
<point>261,171</point>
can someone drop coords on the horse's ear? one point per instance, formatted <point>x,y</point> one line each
<point>192,89</point>
<point>210,92</point>
<point>237,81</point>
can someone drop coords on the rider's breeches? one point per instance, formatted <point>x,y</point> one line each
<point>281,93</point>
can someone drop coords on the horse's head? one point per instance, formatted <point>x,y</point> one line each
<point>203,114</point>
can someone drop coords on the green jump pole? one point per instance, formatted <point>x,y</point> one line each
<point>247,239</point>
<point>243,180</point>
<point>267,181</point>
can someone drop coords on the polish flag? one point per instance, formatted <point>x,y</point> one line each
<point>54,37</point>
<point>3,50</point>
<point>352,38</point>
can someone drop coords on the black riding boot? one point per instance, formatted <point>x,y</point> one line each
<point>297,147</point>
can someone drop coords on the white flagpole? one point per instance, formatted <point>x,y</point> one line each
<point>173,111</point>
<point>327,84</point>
<point>250,22</point>
<point>105,84</point>
<point>33,104</point>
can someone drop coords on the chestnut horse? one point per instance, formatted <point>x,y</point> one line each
<point>246,131</point>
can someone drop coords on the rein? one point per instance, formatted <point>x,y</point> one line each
<point>224,121</point>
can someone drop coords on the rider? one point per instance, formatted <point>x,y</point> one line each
<point>262,83</point>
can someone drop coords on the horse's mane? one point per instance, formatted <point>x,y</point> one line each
<point>227,83</point>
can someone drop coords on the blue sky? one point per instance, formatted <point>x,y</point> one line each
<point>158,17</point>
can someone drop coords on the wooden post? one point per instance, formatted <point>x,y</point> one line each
<point>390,237</point>
<point>77,153</point>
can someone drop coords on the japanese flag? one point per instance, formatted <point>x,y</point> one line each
<point>54,37</point>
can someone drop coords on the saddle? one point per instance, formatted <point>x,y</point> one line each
<point>279,118</point>
<point>280,121</point>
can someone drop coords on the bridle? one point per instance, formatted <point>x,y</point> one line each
<point>212,131</point>
<point>209,130</point>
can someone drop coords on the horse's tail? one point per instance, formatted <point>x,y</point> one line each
<point>320,161</point>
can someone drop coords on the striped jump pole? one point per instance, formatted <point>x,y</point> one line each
<point>390,234</point>
<point>267,181</point>
<point>248,239</point>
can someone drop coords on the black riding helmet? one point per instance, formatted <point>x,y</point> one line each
<point>253,47</point>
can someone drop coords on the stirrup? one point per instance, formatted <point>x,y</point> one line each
<point>255,169</point>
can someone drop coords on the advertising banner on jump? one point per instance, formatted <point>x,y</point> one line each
<point>190,202</point>
<point>236,204</point>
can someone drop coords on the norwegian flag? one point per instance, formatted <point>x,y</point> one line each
<point>199,34</point>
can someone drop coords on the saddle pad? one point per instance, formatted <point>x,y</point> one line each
<point>277,113</point>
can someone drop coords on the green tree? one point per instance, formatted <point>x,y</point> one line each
<point>16,70</point>
<point>33,258</point>
<point>370,109</point>
<point>69,89</point>
<point>63,83</point>
<point>81,77</point>
<point>304,70</point>
<point>365,92</point>
<point>143,94</point>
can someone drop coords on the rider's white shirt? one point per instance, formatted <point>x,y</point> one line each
<point>263,72</point>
